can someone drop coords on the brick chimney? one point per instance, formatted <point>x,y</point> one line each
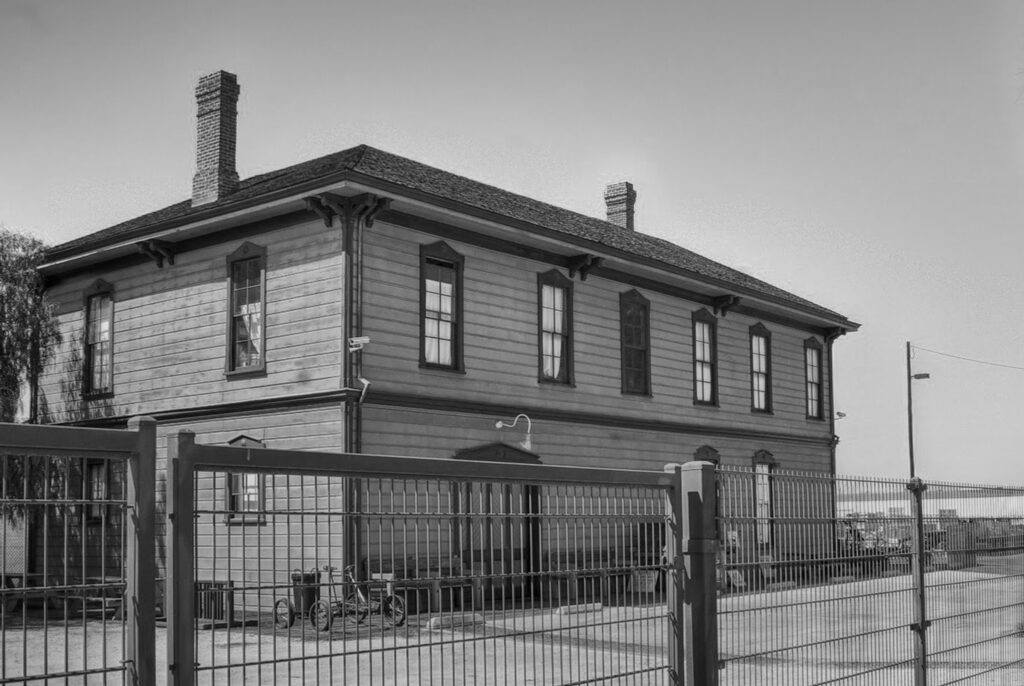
<point>620,198</point>
<point>217,100</point>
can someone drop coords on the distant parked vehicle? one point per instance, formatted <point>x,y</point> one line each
<point>864,550</point>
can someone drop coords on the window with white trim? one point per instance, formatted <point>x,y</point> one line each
<point>98,365</point>
<point>813,376</point>
<point>764,465</point>
<point>705,358</point>
<point>245,496</point>
<point>97,489</point>
<point>635,340</point>
<point>760,369</point>
<point>246,309</point>
<point>441,307</point>
<point>555,327</point>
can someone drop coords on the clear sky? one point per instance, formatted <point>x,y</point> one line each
<point>866,155</point>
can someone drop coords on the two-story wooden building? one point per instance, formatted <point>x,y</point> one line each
<point>364,302</point>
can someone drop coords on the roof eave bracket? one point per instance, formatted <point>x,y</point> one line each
<point>158,251</point>
<point>723,303</point>
<point>582,264</point>
<point>365,207</point>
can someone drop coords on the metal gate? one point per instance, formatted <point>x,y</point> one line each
<point>367,570</point>
<point>76,554</point>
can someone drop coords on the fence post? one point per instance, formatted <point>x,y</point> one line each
<point>674,577</point>
<point>181,622</point>
<point>692,593</point>
<point>920,625</point>
<point>140,594</point>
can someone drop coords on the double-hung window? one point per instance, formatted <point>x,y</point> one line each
<point>98,367</point>
<point>813,376</point>
<point>96,489</point>
<point>441,307</point>
<point>245,497</point>
<point>246,492</point>
<point>705,358</point>
<point>760,369</point>
<point>764,465</point>
<point>555,327</point>
<point>635,330</point>
<point>246,310</point>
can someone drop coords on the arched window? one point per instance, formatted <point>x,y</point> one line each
<point>706,453</point>
<point>764,503</point>
<point>705,358</point>
<point>554,327</point>
<point>635,338</point>
<point>760,369</point>
<point>814,378</point>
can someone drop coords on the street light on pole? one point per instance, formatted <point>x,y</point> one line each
<point>911,377</point>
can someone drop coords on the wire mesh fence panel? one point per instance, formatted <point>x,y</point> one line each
<point>348,577</point>
<point>974,555</point>
<point>63,550</point>
<point>814,582</point>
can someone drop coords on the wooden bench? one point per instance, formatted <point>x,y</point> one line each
<point>596,568</point>
<point>498,576</point>
<point>433,578</point>
<point>93,596</point>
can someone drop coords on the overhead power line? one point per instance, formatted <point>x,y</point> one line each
<point>968,359</point>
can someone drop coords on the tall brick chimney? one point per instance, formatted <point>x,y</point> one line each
<point>217,100</point>
<point>620,199</point>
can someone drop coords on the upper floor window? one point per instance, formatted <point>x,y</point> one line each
<point>813,375</point>
<point>635,330</point>
<point>246,314</point>
<point>760,369</point>
<point>98,365</point>
<point>441,307</point>
<point>705,358</point>
<point>555,327</point>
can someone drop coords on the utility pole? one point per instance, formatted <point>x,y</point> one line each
<point>911,377</point>
<point>917,488</point>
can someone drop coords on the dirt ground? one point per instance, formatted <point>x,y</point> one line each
<point>515,647</point>
<point>850,633</point>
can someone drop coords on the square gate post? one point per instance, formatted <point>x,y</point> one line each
<point>181,623</point>
<point>691,593</point>
<point>140,594</point>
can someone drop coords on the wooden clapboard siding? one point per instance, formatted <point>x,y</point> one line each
<point>170,328</point>
<point>435,433</point>
<point>266,554</point>
<point>500,320</point>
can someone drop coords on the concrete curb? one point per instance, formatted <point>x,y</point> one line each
<point>453,621</point>
<point>578,609</point>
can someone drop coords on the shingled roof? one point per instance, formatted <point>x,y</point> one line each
<point>370,164</point>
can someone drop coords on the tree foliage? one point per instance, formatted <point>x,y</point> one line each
<point>28,322</point>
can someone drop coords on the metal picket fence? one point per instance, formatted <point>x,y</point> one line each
<point>828,579</point>
<point>324,568</point>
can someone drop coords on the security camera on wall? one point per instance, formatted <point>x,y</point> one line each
<point>357,343</point>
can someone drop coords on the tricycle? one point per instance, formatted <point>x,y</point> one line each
<point>346,598</point>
